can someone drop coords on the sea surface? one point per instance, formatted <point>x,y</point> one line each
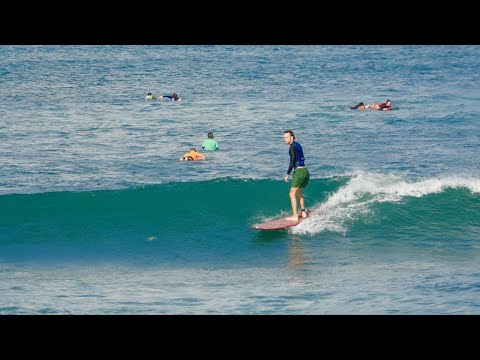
<point>99,216</point>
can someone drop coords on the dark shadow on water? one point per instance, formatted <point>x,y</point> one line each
<point>263,237</point>
<point>296,257</point>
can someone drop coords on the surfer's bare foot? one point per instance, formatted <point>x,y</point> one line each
<point>304,214</point>
<point>292,218</point>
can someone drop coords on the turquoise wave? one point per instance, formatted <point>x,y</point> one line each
<point>204,221</point>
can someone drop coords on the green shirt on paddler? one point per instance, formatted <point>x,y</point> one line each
<point>210,144</point>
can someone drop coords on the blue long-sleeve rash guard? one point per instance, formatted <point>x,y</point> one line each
<point>296,156</point>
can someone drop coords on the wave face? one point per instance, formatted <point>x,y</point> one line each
<point>151,222</point>
<point>209,222</point>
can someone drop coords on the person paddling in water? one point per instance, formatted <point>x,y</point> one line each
<point>359,106</point>
<point>192,155</point>
<point>387,105</point>
<point>300,177</point>
<point>210,143</point>
<point>173,97</point>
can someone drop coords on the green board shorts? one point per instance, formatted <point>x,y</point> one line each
<point>300,178</point>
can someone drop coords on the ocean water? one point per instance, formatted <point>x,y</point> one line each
<point>99,216</point>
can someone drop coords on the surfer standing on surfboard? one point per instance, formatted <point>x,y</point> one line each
<point>300,177</point>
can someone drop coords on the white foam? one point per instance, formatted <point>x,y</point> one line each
<point>352,200</point>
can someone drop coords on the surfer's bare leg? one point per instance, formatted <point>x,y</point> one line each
<point>301,201</point>
<point>293,201</point>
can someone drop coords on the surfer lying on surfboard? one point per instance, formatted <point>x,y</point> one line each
<point>380,106</point>
<point>192,155</point>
